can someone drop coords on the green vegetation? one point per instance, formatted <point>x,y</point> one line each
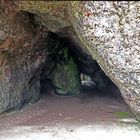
<point>123,114</point>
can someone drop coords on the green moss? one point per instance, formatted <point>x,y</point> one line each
<point>123,114</point>
<point>66,76</point>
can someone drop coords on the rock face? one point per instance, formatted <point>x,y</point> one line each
<point>22,53</point>
<point>106,31</point>
<point>110,31</point>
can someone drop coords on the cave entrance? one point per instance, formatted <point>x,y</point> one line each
<point>74,91</point>
<point>67,72</point>
<point>75,88</point>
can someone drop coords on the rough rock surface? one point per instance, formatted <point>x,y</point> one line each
<point>22,53</point>
<point>108,31</point>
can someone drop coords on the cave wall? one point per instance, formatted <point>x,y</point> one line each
<point>22,53</point>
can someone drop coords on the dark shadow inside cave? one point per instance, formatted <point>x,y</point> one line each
<point>56,76</point>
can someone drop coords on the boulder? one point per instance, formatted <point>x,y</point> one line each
<point>66,76</point>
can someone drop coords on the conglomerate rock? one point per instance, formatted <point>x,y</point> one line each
<point>109,31</point>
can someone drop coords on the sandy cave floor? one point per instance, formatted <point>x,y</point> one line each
<point>99,114</point>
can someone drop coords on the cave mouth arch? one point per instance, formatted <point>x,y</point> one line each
<point>96,88</point>
<point>66,47</point>
<point>64,55</point>
<point>64,63</point>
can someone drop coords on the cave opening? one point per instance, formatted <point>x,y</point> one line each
<point>67,64</point>
<point>68,69</point>
<point>96,95</point>
<point>72,88</point>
